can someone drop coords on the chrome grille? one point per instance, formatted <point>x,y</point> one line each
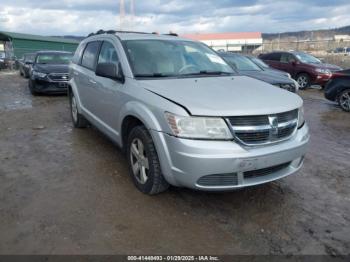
<point>55,77</point>
<point>265,171</point>
<point>218,180</point>
<point>264,129</point>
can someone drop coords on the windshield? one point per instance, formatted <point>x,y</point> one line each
<point>53,58</point>
<point>306,58</point>
<point>242,63</point>
<point>259,62</point>
<point>163,58</point>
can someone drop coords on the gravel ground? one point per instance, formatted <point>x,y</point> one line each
<point>67,191</point>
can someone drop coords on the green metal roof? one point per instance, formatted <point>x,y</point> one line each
<point>4,35</point>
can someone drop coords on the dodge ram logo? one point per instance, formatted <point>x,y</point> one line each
<point>273,121</point>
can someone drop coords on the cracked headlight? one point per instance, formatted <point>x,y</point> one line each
<point>213,128</point>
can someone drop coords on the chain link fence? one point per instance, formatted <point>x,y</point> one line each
<point>329,51</point>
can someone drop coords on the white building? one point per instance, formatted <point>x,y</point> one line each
<point>342,38</point>
<point>235,42</point>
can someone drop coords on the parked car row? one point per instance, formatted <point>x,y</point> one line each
<point>47,71</point>
<point>304,68</point>
<point>308,70</point>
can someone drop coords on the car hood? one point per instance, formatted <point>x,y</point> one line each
<point>270,77</point>
<point>327,66</point>
<point>224,96</point>
<point>47,68</point>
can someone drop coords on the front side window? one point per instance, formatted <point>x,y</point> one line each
<point>306,58</point>
<point>164,58</point>
<point>108,54</point>
<point>242,63</point>
<point>89,56</point>
<point>53,58</point>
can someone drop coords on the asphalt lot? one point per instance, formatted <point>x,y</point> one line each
<point>67,191</point>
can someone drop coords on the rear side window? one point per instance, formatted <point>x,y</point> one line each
<point>273,57</point>
<point>108,54</point>
<point>90,54</point>
<point>285,58</point>
<point>78,53</point>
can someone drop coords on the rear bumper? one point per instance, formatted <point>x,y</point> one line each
<point>188,162</point>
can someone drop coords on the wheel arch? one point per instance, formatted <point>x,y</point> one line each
<point>133,114</point>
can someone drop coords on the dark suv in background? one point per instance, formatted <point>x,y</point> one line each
<point>304,68</point>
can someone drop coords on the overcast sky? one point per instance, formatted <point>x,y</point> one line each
<point>80,17</point>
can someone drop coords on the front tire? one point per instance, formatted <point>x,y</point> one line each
<point>344,100</point>
<point>78,120</point>
<point>304,81</point>
<point>144,166</point>
<point>32,88</point>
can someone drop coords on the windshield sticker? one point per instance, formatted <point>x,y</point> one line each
<point>215,59</point>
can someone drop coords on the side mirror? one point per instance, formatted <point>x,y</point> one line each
<point>110,70</point>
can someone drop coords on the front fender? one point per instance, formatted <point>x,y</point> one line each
<point>141,112</point>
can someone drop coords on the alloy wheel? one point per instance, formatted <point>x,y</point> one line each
<point>139,161</point>
<point>302,81</point>
<point>344,100</point>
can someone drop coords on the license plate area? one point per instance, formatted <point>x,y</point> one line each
<point>62,85</point>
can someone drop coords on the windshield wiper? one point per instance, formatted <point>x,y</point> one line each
<point>154,75</point>
<point>205,72</point>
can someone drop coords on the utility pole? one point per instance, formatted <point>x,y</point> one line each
<point>132,12</point>
<point>121,13</point>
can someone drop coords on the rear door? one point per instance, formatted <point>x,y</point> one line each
<point>286,63</point>
<point>273,60</point>
<point>86,77</point>
<point>107,90</point>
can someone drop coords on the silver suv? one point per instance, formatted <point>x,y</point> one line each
<point>181,114</point>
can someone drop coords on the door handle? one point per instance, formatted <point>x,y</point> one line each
<point>92,81</point>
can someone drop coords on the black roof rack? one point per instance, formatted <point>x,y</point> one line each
<point>99,32</point>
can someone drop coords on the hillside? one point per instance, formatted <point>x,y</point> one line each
<point>312,34</point>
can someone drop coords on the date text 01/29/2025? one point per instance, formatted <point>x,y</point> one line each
<point>173,258</point>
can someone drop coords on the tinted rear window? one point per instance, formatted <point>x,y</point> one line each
<point>273,56</point>
<point>89,56</point>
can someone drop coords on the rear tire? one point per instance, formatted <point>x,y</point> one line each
<point>304,81</point>
<point>144,166</point>
<point>344,100</point>
<point>79,121</point>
